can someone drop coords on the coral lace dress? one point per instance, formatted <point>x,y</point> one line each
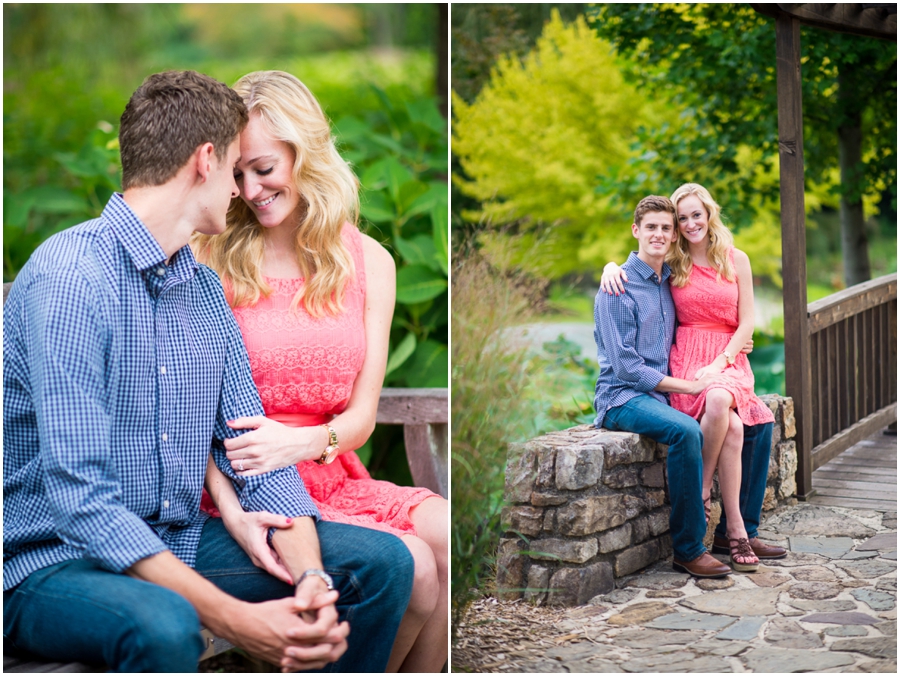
<point>707,312</point>
<point>304,368</point>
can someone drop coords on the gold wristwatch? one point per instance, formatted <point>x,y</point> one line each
<point>728,357</point>
<point>332,449</point>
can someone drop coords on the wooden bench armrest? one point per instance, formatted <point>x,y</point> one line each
<point>424,414</point>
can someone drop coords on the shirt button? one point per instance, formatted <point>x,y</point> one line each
<point>165,504</point>
<point>162,369</point>
<point>160,271</point>
<point>165,437</point>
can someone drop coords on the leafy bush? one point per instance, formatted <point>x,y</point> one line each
<point>400,151</point>
<point>535,140</point>
<point>488,409</point>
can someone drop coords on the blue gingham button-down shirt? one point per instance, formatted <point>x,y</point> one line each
<point>119,374</point>
<point>634,334</point>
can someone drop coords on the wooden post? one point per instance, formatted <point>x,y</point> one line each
<point>793,243</point>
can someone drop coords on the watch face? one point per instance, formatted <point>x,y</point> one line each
<point>331,452</point>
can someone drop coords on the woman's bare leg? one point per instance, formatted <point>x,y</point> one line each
<point>714,424</point>
<point>730,482</point>
<point>421,645</point>
<point>422,602</point>
<point>429,652</point>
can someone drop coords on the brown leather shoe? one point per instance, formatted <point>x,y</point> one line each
<point>760,548</point>
<point>703,566</point>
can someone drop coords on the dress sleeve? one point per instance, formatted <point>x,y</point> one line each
<point>68,342</point>
<point>616,318</point>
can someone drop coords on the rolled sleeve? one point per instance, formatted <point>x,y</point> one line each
<point>616,317</point>
<point>68,358</point>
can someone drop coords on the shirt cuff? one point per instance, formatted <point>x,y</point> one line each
<point>280,492</point>
<point>125,540</point>
<point>648,380</point>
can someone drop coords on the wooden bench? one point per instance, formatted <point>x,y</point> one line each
<point>423,412</point>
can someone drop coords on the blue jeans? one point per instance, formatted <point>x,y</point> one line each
<point>75,611</point>
<point>754,470</point>
<point>645,415</point>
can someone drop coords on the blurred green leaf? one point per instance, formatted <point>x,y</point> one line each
<point>428,367</point>
<point>425,112</point>
<point>16,209</point>
<point>435,195</point>
<point>53,200</point>
<point>395,175</point>
<point>417,283</point>
<point>408,193</point>
<point>401,353</point>
<point>440,237</point>
<point>375,207</point>
<point>418,251</point>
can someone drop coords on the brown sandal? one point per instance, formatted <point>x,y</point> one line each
<point>741,547</point>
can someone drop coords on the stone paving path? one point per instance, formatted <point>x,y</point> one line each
<point>830,606</point>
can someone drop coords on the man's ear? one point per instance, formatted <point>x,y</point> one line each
<point>203,159</point>
<point>635,228</point>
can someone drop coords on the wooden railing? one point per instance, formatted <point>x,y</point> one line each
<point>853,367</point>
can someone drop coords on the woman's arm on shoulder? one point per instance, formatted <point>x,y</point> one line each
<point>612,280</point>
<point>355,425</point>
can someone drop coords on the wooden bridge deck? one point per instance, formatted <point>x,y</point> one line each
<point>864,476</point>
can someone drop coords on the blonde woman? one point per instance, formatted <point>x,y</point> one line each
<point>712,287</point>
<point>314,299</point>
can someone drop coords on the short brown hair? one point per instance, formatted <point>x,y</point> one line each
<point>168,117</point>
<point>653,203</point>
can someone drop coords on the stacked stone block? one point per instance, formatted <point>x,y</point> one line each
<point>586,506</point>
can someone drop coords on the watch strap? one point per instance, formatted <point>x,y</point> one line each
<point>319,573</point>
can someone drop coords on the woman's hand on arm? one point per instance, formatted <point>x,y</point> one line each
<point>271,445</point>
<point>611,281</point>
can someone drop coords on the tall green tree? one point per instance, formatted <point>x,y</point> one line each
<point>717,62</point>
<point>533,142</point>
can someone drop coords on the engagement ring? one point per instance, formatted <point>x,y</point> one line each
<point>241,465</point>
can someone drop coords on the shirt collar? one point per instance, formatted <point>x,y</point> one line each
<point>644,270</point>
<point>142,247</point>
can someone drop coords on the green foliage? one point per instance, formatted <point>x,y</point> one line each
<point>535,139</point>
<point>488,410</point>
<point>400,151</point>
<point>696,53</point>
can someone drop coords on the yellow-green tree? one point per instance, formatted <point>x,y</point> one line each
<point>535,140</point>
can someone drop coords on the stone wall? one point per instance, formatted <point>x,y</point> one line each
<point>585,506</point>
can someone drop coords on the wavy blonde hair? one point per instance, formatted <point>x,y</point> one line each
<point>329,192</point>
<point>720,239</point>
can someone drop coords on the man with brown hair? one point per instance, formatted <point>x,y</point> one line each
<point>634,333</point>
<point>122,365</point>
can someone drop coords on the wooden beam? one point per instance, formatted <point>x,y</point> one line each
<point>859,298</point>
<point>840,442</point>
<point>868,19</point>
<point>412,406</point>
<point>793,242</point>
